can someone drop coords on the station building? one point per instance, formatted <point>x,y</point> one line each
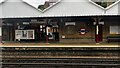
<point>63,21</point>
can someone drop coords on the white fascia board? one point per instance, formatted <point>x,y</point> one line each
<point>18,9</point>
<point>106,7</point>
<point>97,5</point>
<point>112,5</point>
<point>114,10</point>
<point>31,6</point>
<point>50,6</point>
<point>44,9</point>
<point>74,8</point>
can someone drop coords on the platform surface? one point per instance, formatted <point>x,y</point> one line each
<point>56,45</point>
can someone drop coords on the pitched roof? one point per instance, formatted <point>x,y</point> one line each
<point>17,8</point>
<point>10,9</point>
<point>110,6</point>
<point>114,10</point>
<point>74,8</point>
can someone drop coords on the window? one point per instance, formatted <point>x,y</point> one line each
<point>114,30</point>
<point>70,29</point>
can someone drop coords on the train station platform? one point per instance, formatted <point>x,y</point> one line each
<point>58,45</point>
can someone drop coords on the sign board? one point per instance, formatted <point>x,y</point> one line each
<point>26,23</point>
<point>69,23</point>
<point>33,20</point>
<point>82,31</point>
<point>102,23</point>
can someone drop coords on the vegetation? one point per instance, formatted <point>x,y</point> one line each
<point>41,7</point>
<point>104,3</point>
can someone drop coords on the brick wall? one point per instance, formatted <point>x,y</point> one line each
<point>110,22</point>
<point>89,37</point>
<point>76,37</point>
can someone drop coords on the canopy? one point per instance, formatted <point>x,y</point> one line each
<point>21,9</point>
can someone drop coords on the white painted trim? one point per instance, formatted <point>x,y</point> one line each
<point>44,9</point>
<point>97,5</point>
<point>50,6</point>
<point>112,5</point>
<point>31,6</point>
<point>53,14</point>
<point>97,30</point>
<point>60,0</point>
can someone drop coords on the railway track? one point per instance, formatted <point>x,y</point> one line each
<point>72,57</point>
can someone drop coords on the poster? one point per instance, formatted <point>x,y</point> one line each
<point>24,34</point>
<point>30,34</point>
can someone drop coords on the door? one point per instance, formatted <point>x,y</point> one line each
<point>56,33</point>
<point>100,33</point>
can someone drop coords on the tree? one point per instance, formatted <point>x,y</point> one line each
<point>41,7</point>
<point>104,3</point>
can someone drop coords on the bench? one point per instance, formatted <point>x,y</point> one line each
<point>113,39</point>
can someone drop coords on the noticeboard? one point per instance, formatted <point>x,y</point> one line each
<point>24,34</point>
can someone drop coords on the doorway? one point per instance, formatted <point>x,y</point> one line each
<point>99,33</point>
<point>7,33</point>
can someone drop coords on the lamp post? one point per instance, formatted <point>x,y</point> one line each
<point>97,36</point>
